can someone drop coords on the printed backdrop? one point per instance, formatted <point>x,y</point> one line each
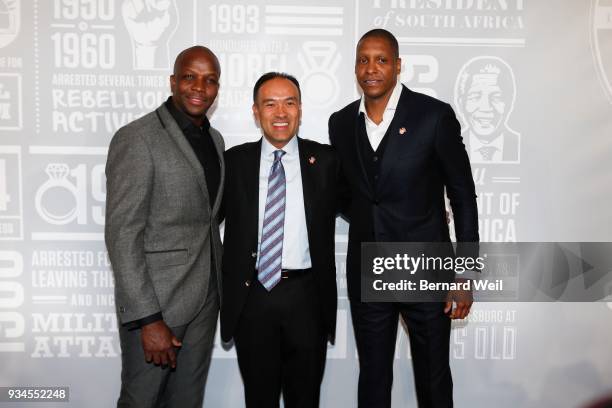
<point>530,81</point>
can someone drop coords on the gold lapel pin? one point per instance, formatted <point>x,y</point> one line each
<point>402,131</point>
<point>312,159</point>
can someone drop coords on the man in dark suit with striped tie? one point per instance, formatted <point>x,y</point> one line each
<point>279,265</point>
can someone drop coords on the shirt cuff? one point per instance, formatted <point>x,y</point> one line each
<point>137,324</point>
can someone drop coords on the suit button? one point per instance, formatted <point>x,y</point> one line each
<point>375,158</point>
<point>121,309</point>
<point>253,254</point>
<point>247,283</point>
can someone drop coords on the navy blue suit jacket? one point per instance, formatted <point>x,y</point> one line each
<point>424,154</point>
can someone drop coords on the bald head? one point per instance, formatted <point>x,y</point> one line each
<point>197,51</point>
<point>195,82</point>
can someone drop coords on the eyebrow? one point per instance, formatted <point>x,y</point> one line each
<point>374,55</point>
<point>192,72</point>
<point>291,98</point>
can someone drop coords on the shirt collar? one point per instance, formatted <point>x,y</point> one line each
<point>182,120</point>
<point>290,149</point>
<point>391,104</point>
<point>476,143</point>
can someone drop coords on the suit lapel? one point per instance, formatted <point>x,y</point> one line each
<point>359,134</point>
<point>183,145</point>
<point>398,129</point>
<point>218,142</point>
<point>307,170</point>
<point>251,189</point>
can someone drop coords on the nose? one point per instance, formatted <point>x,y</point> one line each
<point>371,66</point>
<point>198,85</point>
<point>484,104</point>
<point>281,111</point>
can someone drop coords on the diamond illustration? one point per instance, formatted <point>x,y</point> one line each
<point>57,171</point>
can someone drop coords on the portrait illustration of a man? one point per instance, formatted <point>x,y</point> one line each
<point>485,93</point>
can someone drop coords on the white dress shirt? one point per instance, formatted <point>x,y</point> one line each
<point>377,132</point>
<point>296,250</point>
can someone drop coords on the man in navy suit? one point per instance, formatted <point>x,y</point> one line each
<point>399,150</point>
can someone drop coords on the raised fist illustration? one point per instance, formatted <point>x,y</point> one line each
<point>150,24</point>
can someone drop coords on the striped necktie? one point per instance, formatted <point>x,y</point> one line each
<point>271,249</point>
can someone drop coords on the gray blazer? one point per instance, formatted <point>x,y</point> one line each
<point>159,222</point>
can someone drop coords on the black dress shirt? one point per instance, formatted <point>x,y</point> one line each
<point>202,144</point>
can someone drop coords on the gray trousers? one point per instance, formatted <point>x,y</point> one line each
<point>145,385</point>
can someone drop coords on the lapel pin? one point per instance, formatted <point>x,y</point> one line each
<point>402,131</point>
<point>312,159</point>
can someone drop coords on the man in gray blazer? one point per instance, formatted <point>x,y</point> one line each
<point>165,175</point>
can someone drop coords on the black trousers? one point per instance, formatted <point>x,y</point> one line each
<point>281,344</point>
<point>375,326</point>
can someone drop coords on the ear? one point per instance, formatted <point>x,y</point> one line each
<point>398,66</point>
<point>299,116</point>
<point>172,82</point>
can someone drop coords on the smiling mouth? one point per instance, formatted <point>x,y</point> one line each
<point>372,82</point>
<point>484,118</point>
<point>195,100</point>
<point>280,124</point>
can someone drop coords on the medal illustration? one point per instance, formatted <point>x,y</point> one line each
<point>319,60</point>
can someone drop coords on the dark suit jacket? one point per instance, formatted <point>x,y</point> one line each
<point>241,201</point>
<point>424,154</point>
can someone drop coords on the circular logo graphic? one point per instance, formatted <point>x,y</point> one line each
<point>601,42</point>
